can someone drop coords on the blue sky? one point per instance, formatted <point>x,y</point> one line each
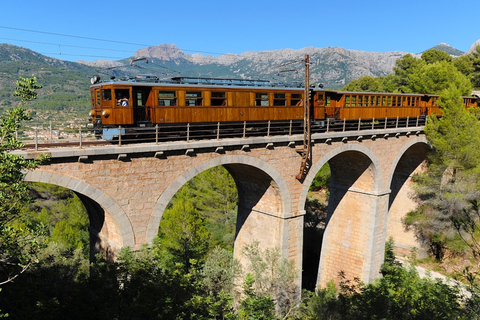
<point>113,30</point>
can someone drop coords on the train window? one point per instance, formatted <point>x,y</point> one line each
<point>193,98</point>
<point>218,98</point>
<point>347,101</point>
<point>261,99</point>
<point>318,100</point>
<point>106,94</point>
<point>279,99</point>
<point>167,98</point>
<point>296,99</point>
<point>98,97</point>
<point>354,101</point>
<point>328,102</point>
<point>122,95</point>
<point>360,101</point>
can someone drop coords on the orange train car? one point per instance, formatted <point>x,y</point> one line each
<point>146,101</point>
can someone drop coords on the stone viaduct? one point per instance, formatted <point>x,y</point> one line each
<point>127,188</point>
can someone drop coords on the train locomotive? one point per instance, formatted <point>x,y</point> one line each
<point>134,106</point>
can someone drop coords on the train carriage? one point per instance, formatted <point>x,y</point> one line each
<point>144,102</point>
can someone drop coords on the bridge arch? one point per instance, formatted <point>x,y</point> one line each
<point>248,172</point>
<point>111,228</point>
<point>351,242</point>
<point>330,155</point>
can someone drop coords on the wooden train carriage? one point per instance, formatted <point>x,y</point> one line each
<point>367,105</point>
<point>468,102</point>
<point>183,104</point>
<point>134,104</point>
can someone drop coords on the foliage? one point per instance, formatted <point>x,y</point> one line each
<point>26,89</point>
<point>183,233</point>
<point>365,83</point>
<point>322,179</point>
<point>435,55</point>
<point>220,272</point>
<point>451,180</point>
<point>216,198</point>
<point>469,65</point>
<point>65,219</point>
<point>432,73</point>
<point>435,77</point>
<point>213,195</point>
<point>273,276</point>
<point>399,294</point>
<point>254,306</point>
<point>20,240</point>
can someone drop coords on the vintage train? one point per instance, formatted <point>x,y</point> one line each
<point>141,103</point>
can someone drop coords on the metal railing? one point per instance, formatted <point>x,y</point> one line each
<point>222,130</point>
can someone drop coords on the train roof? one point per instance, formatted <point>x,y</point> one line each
<point>197,81</point>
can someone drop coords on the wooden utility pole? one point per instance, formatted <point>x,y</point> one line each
<point>307,137</point>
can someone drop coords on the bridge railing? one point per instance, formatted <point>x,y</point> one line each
<point>220,130</point>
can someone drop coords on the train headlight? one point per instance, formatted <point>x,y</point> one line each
<point>95,79</point>
<point>106,113</point>
<point>92,113</point>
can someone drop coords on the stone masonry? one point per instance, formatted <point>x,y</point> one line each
<point>127,188</point>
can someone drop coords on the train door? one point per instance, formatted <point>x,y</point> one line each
<point>142,105</point>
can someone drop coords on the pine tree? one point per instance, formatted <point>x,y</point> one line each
<point>452,179</point>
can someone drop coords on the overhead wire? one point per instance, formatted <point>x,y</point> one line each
<point>142,45</point>
<point>104,40</point>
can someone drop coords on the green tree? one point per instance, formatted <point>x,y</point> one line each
<point>19,239</point>
<point>400,294</point>
<point>435,55</point>
<point>365,83</point>
<point>255,306</point>
<point>216,198</point>
<point>182,232</point>
<point>475,74</point>
<point>27,89</point>
<point>464,64</point>
<point>273,276</point>
<point>403,68</point>
<point>451,181</point>
<point>435,77</point>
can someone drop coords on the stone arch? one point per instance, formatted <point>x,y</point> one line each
<point>409,161</point>
<point>420,140</point>
<point>352,241</point>
<point>105,214</point>
<point>238,166</point>
<point>320,163</point>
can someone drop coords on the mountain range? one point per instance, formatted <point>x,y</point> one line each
<point>66,83</point>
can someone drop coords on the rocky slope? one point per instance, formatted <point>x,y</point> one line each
<point>332,66</point>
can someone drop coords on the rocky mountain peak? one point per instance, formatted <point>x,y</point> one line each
<point>448,49</point>
<point>474,46</point>
<point>164,52</point>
